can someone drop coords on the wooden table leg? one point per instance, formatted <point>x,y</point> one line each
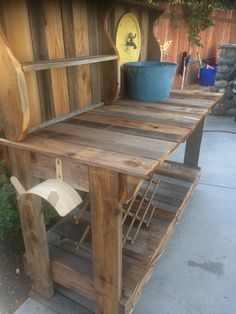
<point>106,239</point>
<point>193,144</point>
<point>33,227</point>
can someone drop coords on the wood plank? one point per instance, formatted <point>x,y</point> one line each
<point>124,163</point>
<point>33,228</point>
<point>133,114</point>
<point>63,117</point>
<point>92,12</point>
<point>55,45</point>
<point>163,106</point>
<point>80,19</point>
<point>72,272</point>
<point>66,62</point>
<point>14,107</point>
<point>146,126</point>
<point>37,23</point>
<point>106,239</point>
<point>153,112</point>
<point>194,103</point>
<point>197,94</point>
<point>43,167</point>
<point>193,145</point>
<point>133,131</point>
<point>110,73</point>
<point>19,38</point>
<point>113,141</point>
<point>70,52</point>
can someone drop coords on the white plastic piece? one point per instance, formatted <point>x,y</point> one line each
<point>58,193</point>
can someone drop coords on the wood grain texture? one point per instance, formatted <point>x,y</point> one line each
<point>40,50</point>
<point>32,221</point>
<point>19,38</point>
<point>55,45</point>
<point>15,108</point>
<point>106,239</point>
<point>193,144</point>
<point>81,34</point>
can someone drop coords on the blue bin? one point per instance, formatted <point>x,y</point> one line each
<point>207,76</point>
<point>150,80</point>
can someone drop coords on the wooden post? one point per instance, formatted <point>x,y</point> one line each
<point>106,239</point>
<point>193,144</point>
<point>33,227</point>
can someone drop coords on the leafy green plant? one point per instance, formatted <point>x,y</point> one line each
<point>198,14</point>
<point>10,226</point>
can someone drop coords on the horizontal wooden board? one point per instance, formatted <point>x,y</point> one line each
<point>68,62</point>
<point>111,141</point>
<point>120,162</point>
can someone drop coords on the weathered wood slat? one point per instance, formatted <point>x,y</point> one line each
<point>68,62</point>
<point>18,34</point>
<point>177,132</point>
<point>163,106</point>
<point>80,19</point>
<point>106,220</point>
<point>13,93</point>
<point>37,25</point>
<point>113,141</point>
<point>55,45</point>
<point>63,117</point>
<point>121,162</point>
<point>196,94</point>
<point>149,117</point>
<point>133,131</point>
<point>154,113</point>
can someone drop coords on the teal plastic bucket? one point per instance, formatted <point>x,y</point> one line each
<point>150,80</point>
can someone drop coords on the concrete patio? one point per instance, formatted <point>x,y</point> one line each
<point>197,272</point>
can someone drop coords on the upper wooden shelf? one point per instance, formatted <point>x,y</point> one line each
<point>161,7</point>
<point>60,63</point>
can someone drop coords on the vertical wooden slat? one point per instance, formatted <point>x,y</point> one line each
<point>144,37</point>
<point>70,52</point>
<point>80,18</point>
<point>41,53</point>
<point>55,45</point>
<point>106,239</point>
<point>19,38</point>
<point>94,50</point>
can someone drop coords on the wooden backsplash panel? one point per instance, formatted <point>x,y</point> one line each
<point>51,29</point>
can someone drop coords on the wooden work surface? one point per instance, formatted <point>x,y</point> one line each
<point>129,137</point>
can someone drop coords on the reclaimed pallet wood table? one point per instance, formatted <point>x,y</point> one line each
<point>118,154</point>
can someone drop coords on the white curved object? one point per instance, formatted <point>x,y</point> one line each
<point>58,193</point>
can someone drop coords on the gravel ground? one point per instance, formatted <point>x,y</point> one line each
<point>14,286</point>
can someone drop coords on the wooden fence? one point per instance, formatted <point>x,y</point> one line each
<point>172,26</point>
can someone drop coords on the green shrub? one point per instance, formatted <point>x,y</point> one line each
<point>10,227</point>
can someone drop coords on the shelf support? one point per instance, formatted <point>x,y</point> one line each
<point>193,144</point>
<point>33,227</point>
<point>106,239</point>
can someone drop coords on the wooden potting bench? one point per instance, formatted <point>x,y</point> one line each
<point>116,154</point>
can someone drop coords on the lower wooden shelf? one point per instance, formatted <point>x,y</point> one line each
<point>72,267</point>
